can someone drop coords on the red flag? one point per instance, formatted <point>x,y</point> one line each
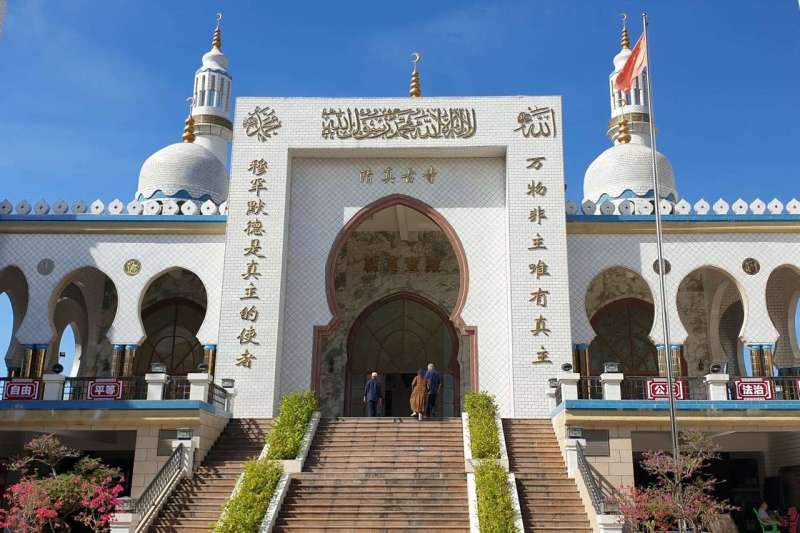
<point>634,66</point>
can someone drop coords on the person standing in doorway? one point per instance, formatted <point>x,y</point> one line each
<point>373,395</point>
<point>419,392</point>
<point>434,384</point>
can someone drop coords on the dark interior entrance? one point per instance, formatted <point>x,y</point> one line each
<point>396,336</point>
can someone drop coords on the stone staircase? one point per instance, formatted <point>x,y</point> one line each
<point>379,474</point>
<point>197,503</point>
<point>549,500</point>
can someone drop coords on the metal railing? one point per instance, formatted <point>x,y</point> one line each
<point>590,388</point>
<point>177,388</point>
<point>786,388</point>
<point>592,486</point>
<point>635,387</point>
<point>77,388</point>
<point>153,497</point>
<point>218,396</point>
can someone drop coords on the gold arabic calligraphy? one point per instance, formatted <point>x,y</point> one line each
<point>387,123</point>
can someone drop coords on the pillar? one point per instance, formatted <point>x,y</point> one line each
<point>761,359</point>
<point>612,385</point>
<point>568,381</point>
<point>675,351</point>
<point>155,385</point>
<point>210,356</point>
<point>717,386</point>
<point>40,351</point>
<point>571,451</point>
<point>27,360</point>
<point>130,357</point>
<point>580,359</point>
<point>117,360</point>
<point>199,383</point>
<point>53,386</point>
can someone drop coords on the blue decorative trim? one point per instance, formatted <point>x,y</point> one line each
<point>42,346</point>
<point>115,218</point>
<point>111,405</point>
<point>627,193</point>
<point>209,346</point>
<point>730,217</point>
<point>581,346</point>
<point>118,346</point>
<point>682,405</point>
<point>178,195</point>
<point>132,346</point>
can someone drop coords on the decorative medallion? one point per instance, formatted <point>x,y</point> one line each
<point>132,267</point>
<point>45,266</point>
<point>395,123</point>
<point>751,266</point>
<point>667,267</point>
<point>261,122</point>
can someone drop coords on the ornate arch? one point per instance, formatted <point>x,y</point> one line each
<point>323,331</point>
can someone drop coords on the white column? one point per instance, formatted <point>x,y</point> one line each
<point>191,445</point>
<point>571,450</point>
<point>199,383</point>
<point>609,523</point>
<point>612,385</point>
<point>123,522</point>
<point>551,398</point>
<point>717,385</point>
<point>569,385</point>
<point>53,386</point>
<point>155,385</point>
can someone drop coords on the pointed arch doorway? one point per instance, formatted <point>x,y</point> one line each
<point>396,336</point>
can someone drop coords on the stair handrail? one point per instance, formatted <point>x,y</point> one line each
<point>595,493</point>
<point>153,497</point>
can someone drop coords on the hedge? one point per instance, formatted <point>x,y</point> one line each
<point>289,428</point>
<point>246,509</point>
<point>495,508</point>
<point>482,410</point>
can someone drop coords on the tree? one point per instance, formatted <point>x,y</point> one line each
<point>51,496</point>
<point>680,493</point>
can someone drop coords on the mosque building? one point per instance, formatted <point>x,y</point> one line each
<point>351,235</point>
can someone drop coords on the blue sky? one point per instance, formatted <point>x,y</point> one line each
<point>90,89</point>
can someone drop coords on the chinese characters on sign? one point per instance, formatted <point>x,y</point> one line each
<point>537,122</point>
<point>387,175</point>
<point>395,123</point>
<point>657,389</point>
<point>21,389</point>
<point>263,123</point>
<point>253,252</point>
<point>753,389</point>
<point>104,389</point>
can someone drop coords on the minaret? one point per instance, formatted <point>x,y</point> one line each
<point>632,103</point>
<point>211,108</point>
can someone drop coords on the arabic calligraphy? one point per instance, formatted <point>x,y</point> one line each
<point>261,122</point>
<point>537,122</point>
<point>394,123</point>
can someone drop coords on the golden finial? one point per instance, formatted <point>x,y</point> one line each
<point>624,40</point>
<point>623,133</point>
<point>188,129</point>
<point>216,41</point>
<point>414,90</point>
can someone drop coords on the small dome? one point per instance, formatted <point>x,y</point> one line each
<point>625,170</point>
<point>183,170</point>
<point>214,59</point>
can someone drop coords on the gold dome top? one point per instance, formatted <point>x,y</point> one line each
<point>216,41</point>
<point>188,125</point>
<point>624,40</point>
<point>623,133</point>
<point>414,89</point>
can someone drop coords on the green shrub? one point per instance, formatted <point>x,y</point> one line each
<point>246,509</point>
<point>482,410</point>
<point>290,426</point>
<point>495,508</point>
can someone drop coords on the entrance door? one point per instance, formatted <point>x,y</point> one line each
<point>397,336</point>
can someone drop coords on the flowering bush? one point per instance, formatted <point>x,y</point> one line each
<point>50,497</point>
<point>680,492</point>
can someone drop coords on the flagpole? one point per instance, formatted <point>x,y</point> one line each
<point>660,248</point>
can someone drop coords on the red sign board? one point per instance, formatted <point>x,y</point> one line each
<point>657,389</point>
<point>753,389</point>
<point>105,389</point>
<point>21,389</point>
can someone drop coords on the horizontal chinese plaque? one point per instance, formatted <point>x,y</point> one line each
<point>21,389</point>
<point>105,389</point>
<point>657,389</point>
<point>753,389</point>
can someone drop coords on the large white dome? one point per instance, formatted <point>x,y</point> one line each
<point>625,170</point>
<point>183,170</point>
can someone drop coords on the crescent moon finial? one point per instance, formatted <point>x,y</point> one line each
<point>219,19</point>
<point>415,58</point>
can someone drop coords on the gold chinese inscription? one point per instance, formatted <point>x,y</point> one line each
<point>537,122</point>
<point>540,327</point>
<point>535,162</point>
<point>408,176</point>
<point>246,359</point>
<point>396,123</point>
<point>391,264</point>
<point>542,356</point>
<point>261,122</point>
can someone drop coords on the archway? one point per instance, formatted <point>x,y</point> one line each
<point>14,289</point>
<point>783,294</point>
<point>395,245</point>
<point>172,311</point>
<point>395,337</point>
<point>711,310</point>
<point>620,309</point>
<point>86,301</point>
